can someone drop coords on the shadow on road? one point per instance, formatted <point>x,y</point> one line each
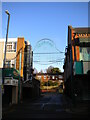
<point>48,105</point>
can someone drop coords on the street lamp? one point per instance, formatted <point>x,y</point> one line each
<point>7,12</point>
<point>6,37</point>
<point>6,42</point>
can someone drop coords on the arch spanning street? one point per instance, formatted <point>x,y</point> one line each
<point>45,53</point>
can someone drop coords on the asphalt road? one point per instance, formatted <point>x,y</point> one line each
<point>49,105</point>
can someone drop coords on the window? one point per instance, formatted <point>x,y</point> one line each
<point>14,45</point>
<point>60,76</point>
<point>44,77</point>
<point>53,77</point>
<point>85,53</point>
<point>7,63</point>
<point>10,63</point>
<point>39,77</point>
<point>11,47</point>
<point>48,77</point>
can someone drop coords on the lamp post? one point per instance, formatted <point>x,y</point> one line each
<point>5,48</point>
<point>6,37</point>
<point>19,87</point>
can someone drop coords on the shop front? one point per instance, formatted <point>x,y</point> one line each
<point>11,77</point>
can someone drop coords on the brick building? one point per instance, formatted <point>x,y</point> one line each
<point>49,76</point>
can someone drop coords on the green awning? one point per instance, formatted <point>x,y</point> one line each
<point>11,72</point>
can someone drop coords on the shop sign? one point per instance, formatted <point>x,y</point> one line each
<point>12,82</point>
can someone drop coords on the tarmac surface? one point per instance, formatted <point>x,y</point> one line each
<point>47,106</point>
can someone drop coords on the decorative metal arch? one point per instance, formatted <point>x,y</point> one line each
<point>51,54</point>
<point>51,42</point>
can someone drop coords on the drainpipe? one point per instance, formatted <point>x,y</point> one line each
<point>19,76</point>
<point>5,47</point>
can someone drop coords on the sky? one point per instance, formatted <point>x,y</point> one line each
<point>38,20</point>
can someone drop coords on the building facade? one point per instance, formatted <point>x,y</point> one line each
<point>15,63</point>
<point>19,55</point>
<point>77,62</point>
<point>10,53</point>
<point>28,61</point>
<point>10,94</point>
<point>43,77</point>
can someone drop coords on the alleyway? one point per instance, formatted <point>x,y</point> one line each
<point>49,105</point>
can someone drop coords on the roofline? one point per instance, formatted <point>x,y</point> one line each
<point>9,39</point>
<point>49,73</point>
<point>80,29</point>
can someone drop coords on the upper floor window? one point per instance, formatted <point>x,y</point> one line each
<point>11,47</point>
<point>85,53</point>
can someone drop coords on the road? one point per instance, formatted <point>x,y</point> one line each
<point>49,105</point>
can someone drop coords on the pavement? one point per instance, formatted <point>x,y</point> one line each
<point>48,106</point>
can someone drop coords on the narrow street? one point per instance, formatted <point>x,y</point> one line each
<point>49,105</point>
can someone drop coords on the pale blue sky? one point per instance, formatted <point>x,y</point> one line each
<point>36,21</point>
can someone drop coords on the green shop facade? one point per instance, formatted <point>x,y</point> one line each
<point>11,86</point>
